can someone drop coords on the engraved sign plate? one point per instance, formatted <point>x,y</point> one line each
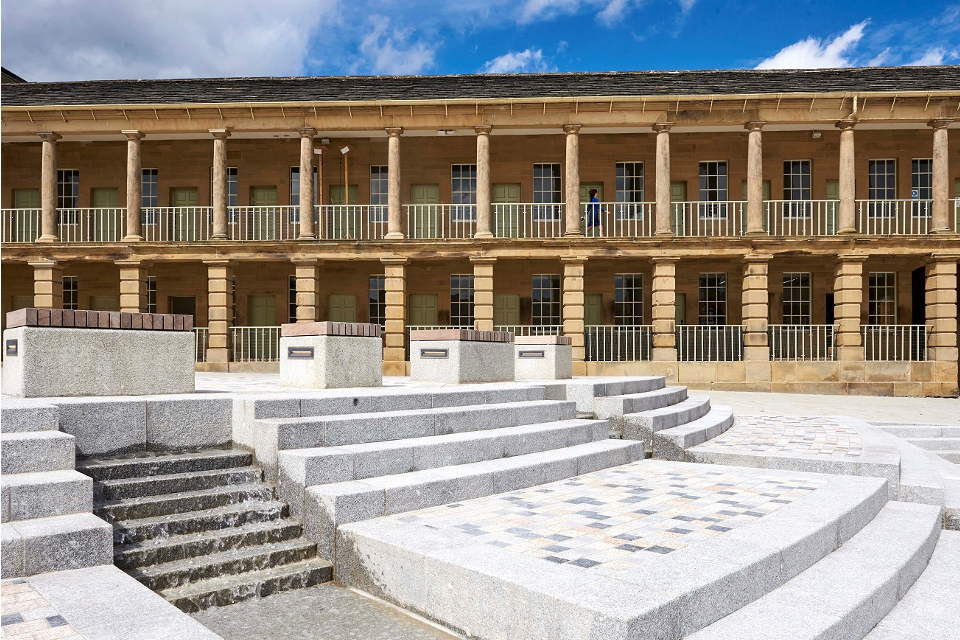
<point>300,353</point>
<point>12,348</point>
<point>531,354</point>
<point>437,354</point>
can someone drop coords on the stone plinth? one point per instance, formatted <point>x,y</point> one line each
<point>331,355</point>
<point>544,357</point>
<point>59,352</point>
<point>461,356</point>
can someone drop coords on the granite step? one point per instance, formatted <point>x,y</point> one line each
<point>615,407</point>
<point>27,496</point>
<point>920,430</point>
<point>936,444</point>
<point>141,487</point>
<point>180,573</point>
<point>641,426</point>
<point>585,391</point>
<point>949,455</point>
<point>23,415</point>
<point>848,592</point>
<point>225,590</point>
<point>180,547</point>
<point>145,464</point>
<point>57,543</point>
<point>671,444</point>
<point>28,452</point>
<point>183,502</point>
<point>233,515</point>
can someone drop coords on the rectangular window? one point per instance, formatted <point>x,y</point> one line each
<point>713,299</point>
<point>463,192</point>
<point>546,300</point>
<point>149,199</point>
<point>796,188</point>
<point>295,192</point>
<point>922,186</point>
<point>546,190</point>
<point>71,292</point>
<point>629,190</point>
<point>461,301</point>
<point>292,299</point>
<point>882,186</point>
<point>796,298</point>
<point>379,193</point>
<point>713,189</point>
<point>378,299</point>
<point>68,195</point>
<point>628,299</point>
<point>882,308</point>
<point>151,294</point>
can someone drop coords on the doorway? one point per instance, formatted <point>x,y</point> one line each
<point>104,227</point>
<point>262,224</point>
<point>506,310</point>
<point>341,308</point>
<point>425,216</point>
<point>184,224</point>
<point>423,310</point>
<point>507,223</point>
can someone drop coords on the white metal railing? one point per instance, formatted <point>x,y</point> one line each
<point>352,221</point>
<point>176,224</point>
<point>956,215</point>
<point>202,336</point>
<point>801,217</point>
<point>92,225</point>
<point>895,342</point>
<point>528,220</point>
<point>617,343</point>
<point>263,223</point>
<point>440,221</point>
<point>531,329</point>
<point>808,342</point>
<point>709,343</point>
<point>20,225</point>
<point>255,344</point>
<point>894,217</point>
<point>708,219</point>
<point>618,219</point>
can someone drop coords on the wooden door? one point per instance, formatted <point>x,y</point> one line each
<point>104,223</point>
<point>341,221</point>
<point>507,218</point>
<point>104,303</point>
<point>678,193</point>
<point>183,305</point>
<point>27,225</point>
<point>680,309</point>
<point>185,221</point>
<point>423,309</point>
<point>506,310</point>
<point>21,302</point>
<point>262,221</point>
<point>593,309</point>
<point>833,194</point>
<point>341,308</point>
<point>425,217</point>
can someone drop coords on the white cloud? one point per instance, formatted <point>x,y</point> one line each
<point>608,11</point>
<point>813,53</point>
<point>880,58</point>
<point>388,52</point>
<point>935,56</point>
<point>103,39</point>
<point>526,61</point>
<point>686,5</point>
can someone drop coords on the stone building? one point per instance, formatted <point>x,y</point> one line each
<point>784,230</point>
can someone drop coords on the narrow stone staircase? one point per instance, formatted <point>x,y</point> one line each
<point>202,528</point>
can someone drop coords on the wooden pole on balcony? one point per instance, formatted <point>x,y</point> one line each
<point>49,231</point>
<point>134,187</point>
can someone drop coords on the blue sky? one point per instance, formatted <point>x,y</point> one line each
<point>92,39</point>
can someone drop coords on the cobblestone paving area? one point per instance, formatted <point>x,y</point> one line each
<point>816,437</point>
<point>615,519</point>
<point>27,616</point>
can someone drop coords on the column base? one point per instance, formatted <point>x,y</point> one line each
<point>755,232</point>
<point>48,238</point>
<point>664,234</point>
<point>846,232</point>
<point>483,235</point>
<point>942,230</point>
<point>754,354</point>
<point>573,234</point>
<point>132,238</point>
<point>307,236</point>
<point>393,235</point>
<point>219,236</point>
<point>664,354</point>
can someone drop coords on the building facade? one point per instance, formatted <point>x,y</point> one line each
<point>781,230</point>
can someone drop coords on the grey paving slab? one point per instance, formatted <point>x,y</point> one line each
<point>27,414</point>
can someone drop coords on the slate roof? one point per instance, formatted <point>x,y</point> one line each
<point>481,86</point>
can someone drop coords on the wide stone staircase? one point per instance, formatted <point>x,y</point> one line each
<point>201,528</point>
<point>941,440</point>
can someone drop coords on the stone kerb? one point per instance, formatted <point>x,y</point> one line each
<point>461,356</point>
<point>331,355</point>
<point>63,352</point>
<point>544,357</point>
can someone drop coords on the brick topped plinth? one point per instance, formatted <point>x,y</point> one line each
<point>85,319</point>
<point>462,335</point>
<point>345,329</point>
<point>562,340</point>
<point>544,357</point>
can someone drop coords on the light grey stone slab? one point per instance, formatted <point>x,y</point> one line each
<point>434,487</point>
<point>464,361</point>
<point>247,410</point>
<point>374,427</point>
<point>105,425</point>
<point>544,361</point>
<point>36,451</point>
<point>329,506</point>
<point>18,415</point>
<point>334,362</point>
<point>366,401</point>
<point>42,495</point>
<point>11,552</point>
<point>65,542</point>
<point>386,459</point>
<point>189,422</point>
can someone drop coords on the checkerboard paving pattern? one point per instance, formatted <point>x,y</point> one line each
<point>27,616</point>
<point>618,518</point>
<point>807,437</point>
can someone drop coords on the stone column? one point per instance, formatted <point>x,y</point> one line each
<point>220,193</point>
<point>572,192</point>
<point>395,321</point>
<point>754,178</point>
<point>664,211</point>
<point>572,313</point>
<point>219,309</point>
<point>484,213</point>
<point>941,307</point>
<point>394,206</point>
<point>664,308</point>
<point>483,292</point>
<point>940,218</point>
<point>49,231</point>
<point>308,274</point>
<point>133,286</point>
<point>848,301</point>
<point>756,309</point>
<point>47,284</point>
<point>134,187</point>
<point>307,231</point>
<point>847,222</point>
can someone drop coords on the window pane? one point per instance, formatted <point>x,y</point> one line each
<point>461,301</point>
<point>796,298</point>
<point>713,299</point>
<point>628,299</point>
<point>546,299</point>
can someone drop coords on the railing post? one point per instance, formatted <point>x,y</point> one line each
<point>572,312</point>
<point>133,286</point>
<point>49,225</point>
<point>756,345</point>
<point>848,173</point>
<point>219,309</point>
<point>395,315</point>
<point>572,190</point>
<point>848,300</point>
<point>307,230</point>
<point>394,208</point>
<point>941,312</point>
<point>940,216</point>
<point>47,284</point>
<point>220,193</point>
<point>307,274</point>
<point>754,178</point>
<point>664,305</point>
<point>484,217</point>
<point>483,292</point>
<point>134,187</point>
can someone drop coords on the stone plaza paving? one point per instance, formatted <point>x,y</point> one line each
<point>794,436</point>
<point>27,616</point>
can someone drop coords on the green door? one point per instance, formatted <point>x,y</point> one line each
<point>507,217</point>
<point>680,309</point>
<point>104,223</point>
<point>260,344</point>
<point>678,193</point>
<point>262,223</point>
<point>21,302</point>
<point>593,309</point>
<point>506,310</point>
<point>26,226</point>
<point>184,224</point>
<point>424,222</point>
<point>341,308</point>
<point>423,309</point>
<point>341,222</point>
<point>833,195</point>
<point>104,303</point>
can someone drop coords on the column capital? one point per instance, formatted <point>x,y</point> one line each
<point>132,262</point>
<point>846,124</point>
<point>307,262</point>
<point>940,123</point>
<point>751,258</point>
<point>133,134</point>
<point>49,136</point>
<point>851,257</point>
<point>754,125</point>
<point>44,263</point>
<point>483,129</point>
<point>482,259</point>
<point>395,261</point>
<point>307,132</point>
<point>662,127</point>
<point>943,257</point>
<point>664,259</point>
<point>220,134</point>
<point>573,259</point>
<point>217,262</point>
<point>393,132</point>
<point>571,128</point>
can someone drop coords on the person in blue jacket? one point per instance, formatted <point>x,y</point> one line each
<point>593,213</point>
